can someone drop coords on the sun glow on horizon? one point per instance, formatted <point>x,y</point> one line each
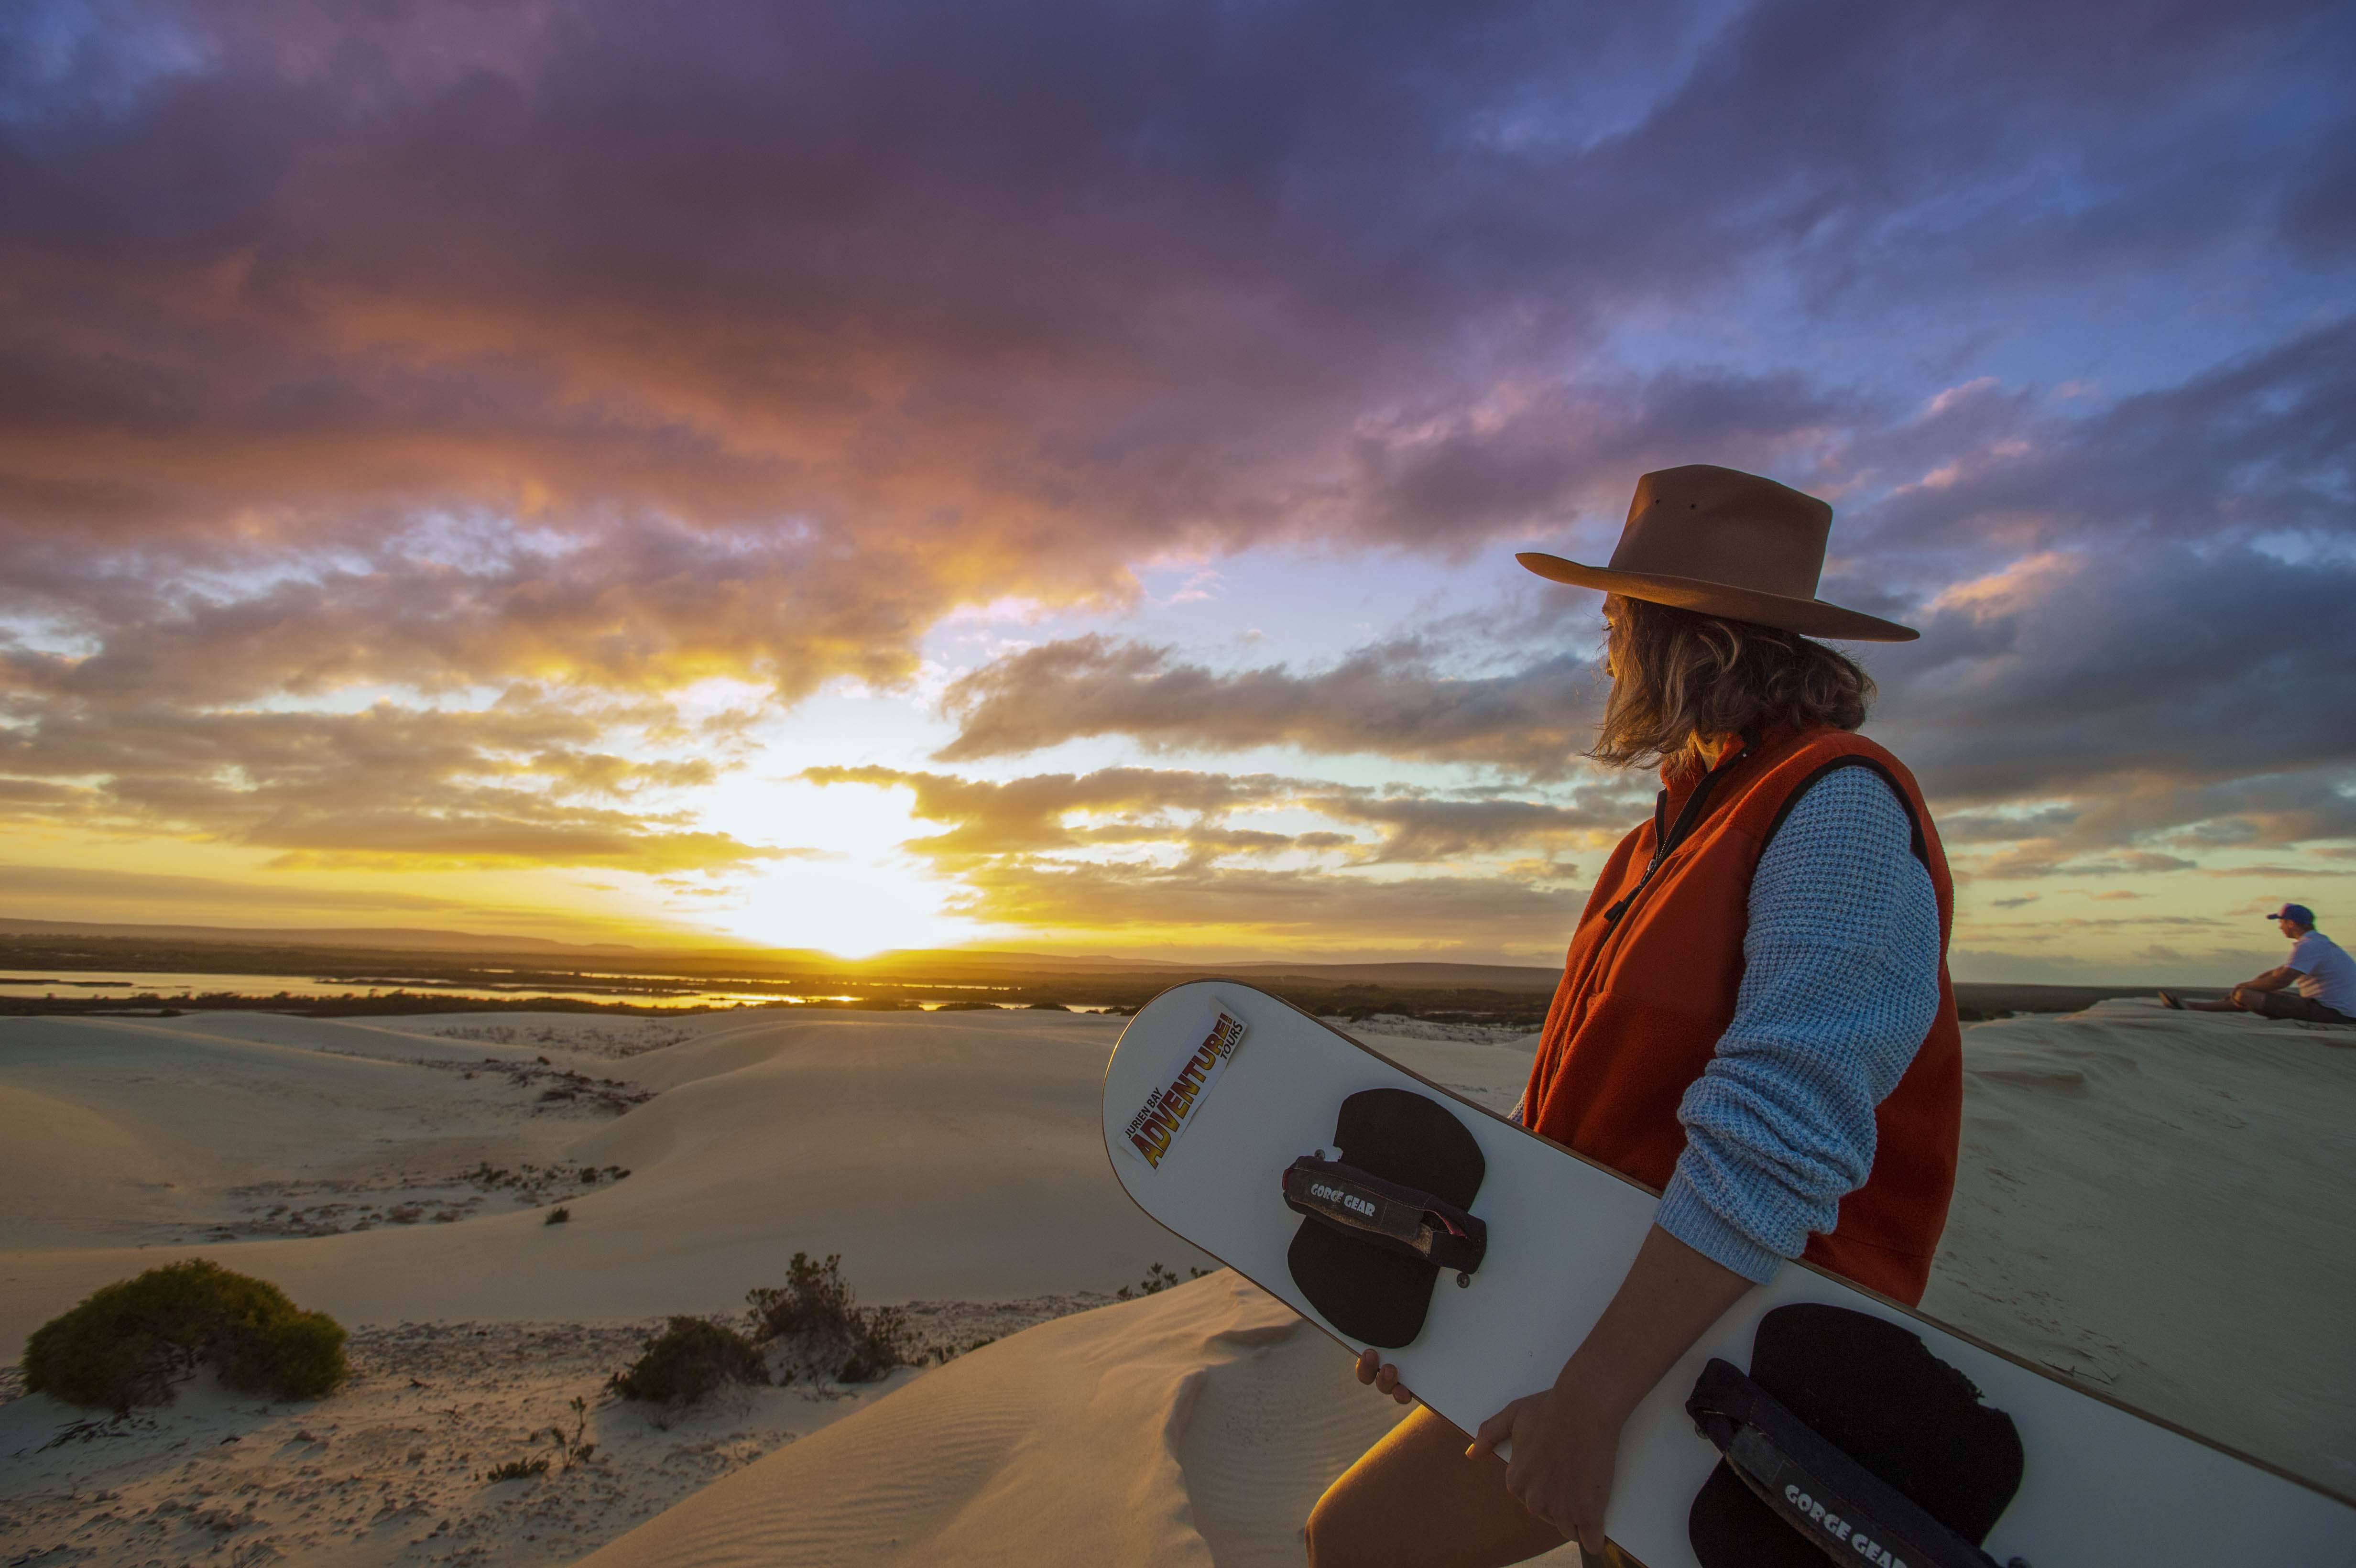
<point>851,910</point>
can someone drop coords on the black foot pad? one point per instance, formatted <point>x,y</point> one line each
<point>1375,1296</point>
<point>1872,1390</point>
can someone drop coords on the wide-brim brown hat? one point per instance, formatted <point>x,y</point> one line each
<point>1723,543</point>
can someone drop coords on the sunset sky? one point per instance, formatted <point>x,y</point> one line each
<point>874,476</point>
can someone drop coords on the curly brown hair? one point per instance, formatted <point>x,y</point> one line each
<point>1679,679</point>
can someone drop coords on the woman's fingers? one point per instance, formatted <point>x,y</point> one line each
<point>1493,1431</point>
<point>1373,1369</point>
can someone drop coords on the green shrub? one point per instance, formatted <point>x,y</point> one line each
<point>516,1470</point>
<point>301,1356</point>
<point>880,1343</point>
<point>821,1328</point>
<point>129,1343</point>
<point>1158,1278</point>
<point>688,1361</point>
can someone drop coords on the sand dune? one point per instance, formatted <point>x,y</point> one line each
<point>1192,1427</point>
<point>1023,1451</point>
<point>2162,1205</point>
<point>2157,1203</point>
<point>948,1157</point>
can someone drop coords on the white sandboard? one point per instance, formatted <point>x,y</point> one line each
<point>2104,1484</point>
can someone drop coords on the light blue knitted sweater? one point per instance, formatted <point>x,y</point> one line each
<point>1840,983</point>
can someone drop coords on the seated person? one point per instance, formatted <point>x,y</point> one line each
<point>2319,968</point>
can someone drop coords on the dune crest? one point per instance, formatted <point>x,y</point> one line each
<point>2162,1206</point>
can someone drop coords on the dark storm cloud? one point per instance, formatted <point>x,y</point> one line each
<point>437,343</point>
<point>1386,699</point>
<point>2263,444</point>
<point>2160,650</point>
<point>2155,603</point>
<point>2186,666</point>
<point>2169,689</point>
<point>1562,451</point>
<point>1074,274</point>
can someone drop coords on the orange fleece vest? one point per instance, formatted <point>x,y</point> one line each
<point>1646,995</point>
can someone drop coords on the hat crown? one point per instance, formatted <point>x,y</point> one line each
<point>1720,525</point>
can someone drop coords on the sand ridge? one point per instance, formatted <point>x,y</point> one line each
<point>1192,1427</point>
<point>2162,1206</point>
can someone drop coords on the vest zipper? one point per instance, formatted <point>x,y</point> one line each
<point>1663,845</point>
<point>1688,817</point>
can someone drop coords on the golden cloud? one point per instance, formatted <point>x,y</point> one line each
<point>1029,852</point>
<point>391,785</point>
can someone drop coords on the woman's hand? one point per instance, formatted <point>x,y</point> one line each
<point>1567,1440</point>
<point>1565,1449</point>
<point>1373,1369</point>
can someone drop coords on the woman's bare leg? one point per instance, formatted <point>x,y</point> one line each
<point>1414,1500</point>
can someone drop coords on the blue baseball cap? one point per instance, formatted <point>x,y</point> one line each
<point>2300,912</point>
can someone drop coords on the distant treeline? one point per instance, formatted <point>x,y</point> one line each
<point>407,981</point>
<point>1504,1009</point>
<point>902,984</point>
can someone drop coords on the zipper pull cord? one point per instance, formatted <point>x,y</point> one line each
<point>1663,843</point>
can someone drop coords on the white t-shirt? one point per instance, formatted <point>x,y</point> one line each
<point>2325,973</point>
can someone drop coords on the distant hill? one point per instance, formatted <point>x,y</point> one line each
<point>952,962</point>
<point>1484,976</point>
<point>1049,974</point>
<point>938,964</point>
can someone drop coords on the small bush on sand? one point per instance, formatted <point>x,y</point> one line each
<point>558,1217</point>
<point>516,1470</point>
<point>572,1449</point>
<point>815,1320</point>
<point>131,1342</point>
<point>689,1360</point>
<point>1158,1278</point>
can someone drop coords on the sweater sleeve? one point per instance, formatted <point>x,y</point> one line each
<point>1840,984</point>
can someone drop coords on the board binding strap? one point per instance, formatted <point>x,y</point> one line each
<point>1385,1214</point>
<point>1848,1441</point>
<point>1381,1221</point>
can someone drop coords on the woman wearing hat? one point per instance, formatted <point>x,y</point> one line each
<point>1754,1017</point>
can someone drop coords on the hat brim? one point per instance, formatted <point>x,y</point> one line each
<point>1809,617</point>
